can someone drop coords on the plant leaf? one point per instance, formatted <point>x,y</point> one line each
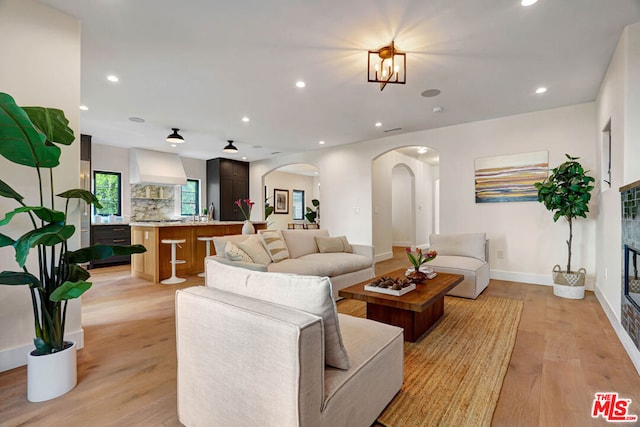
<point>49,235</point>
<point>99,251</point>
<point>69,290</point>
<point>6,241</point>
<point>19,278</point>
<point>22,142</point>
<point>7,191</point>
<point>45,214</point>
<point>79,193</point>
<point>52,122</point>
<point>77,273</point>
<point>41,346</point>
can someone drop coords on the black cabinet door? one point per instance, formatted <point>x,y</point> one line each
<point>227,181</point>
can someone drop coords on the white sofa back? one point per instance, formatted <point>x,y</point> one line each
<point>470,245</point>
<point>302,242</point>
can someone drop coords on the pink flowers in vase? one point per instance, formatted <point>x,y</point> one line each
<point>249,204</point>
<point>420,258</point>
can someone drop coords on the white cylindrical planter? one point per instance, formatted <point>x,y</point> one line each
<point>51,375</point>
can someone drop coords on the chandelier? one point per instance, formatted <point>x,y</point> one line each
<point>387,65</point>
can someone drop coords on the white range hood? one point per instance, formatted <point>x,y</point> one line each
<point>155,167</point>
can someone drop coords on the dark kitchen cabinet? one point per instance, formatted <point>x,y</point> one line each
<point>114,234</point>
<point>227,181</point>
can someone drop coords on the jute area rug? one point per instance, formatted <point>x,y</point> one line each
<point>454,373</point>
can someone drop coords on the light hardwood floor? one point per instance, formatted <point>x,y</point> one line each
<point>565,351</point>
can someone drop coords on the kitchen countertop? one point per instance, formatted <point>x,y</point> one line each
<point>186,223</point>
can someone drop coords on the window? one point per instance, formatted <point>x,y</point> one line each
<point>190,198</point>
<point>298,204</point>
<point>108,190</point>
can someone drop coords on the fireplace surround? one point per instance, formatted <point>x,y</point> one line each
<point>630,204</point>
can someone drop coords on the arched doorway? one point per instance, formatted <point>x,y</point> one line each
<point>289,190</point>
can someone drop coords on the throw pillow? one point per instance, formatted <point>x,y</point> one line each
<point>311,294</point>
<point>254,247</point>
<point>333,244</point>
<point>275,244</point>
<point>234,253</point>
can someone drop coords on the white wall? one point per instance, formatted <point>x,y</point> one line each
<point>286,181</point>
<point>41,51</point>
<point>532,243</point>
<point>618,101</point>
<point>402,206</point>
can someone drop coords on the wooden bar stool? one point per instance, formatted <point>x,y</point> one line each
<point>173,279</point>
<point>206,240</point>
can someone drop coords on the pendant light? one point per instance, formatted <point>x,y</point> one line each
<point>175,137</point>
<point>230,148</point>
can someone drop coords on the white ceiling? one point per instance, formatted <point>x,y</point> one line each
<point>201,65</point>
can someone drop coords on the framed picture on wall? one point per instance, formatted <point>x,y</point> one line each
<point>281,201</point>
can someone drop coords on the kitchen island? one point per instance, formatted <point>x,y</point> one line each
<point>154,264</point>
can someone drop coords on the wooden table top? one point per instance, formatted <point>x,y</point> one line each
<point>417,300</point>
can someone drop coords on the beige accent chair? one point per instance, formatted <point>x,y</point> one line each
<point>466,254</point>
<point>245,360</point>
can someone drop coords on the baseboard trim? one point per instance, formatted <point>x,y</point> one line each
<point>535,279</point>
<point>403,244</point>
<point>384,256</point>
<point>629,346</point>
<point>15,357</point>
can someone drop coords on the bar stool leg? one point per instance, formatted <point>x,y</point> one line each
<point>208,253</point>
<point>173,279</point>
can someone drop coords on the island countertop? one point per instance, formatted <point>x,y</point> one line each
<point>154,264</point>
<point>189,223</point>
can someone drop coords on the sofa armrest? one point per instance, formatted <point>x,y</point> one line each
<point>246,362</point>
<point>366,250</point>
<point>241,264</point>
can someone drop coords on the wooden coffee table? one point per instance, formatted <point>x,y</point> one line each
<point>416,311</point>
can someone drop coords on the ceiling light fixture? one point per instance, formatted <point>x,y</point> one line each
<point>378,124</point>
<point>113,78</point>
<point>541,90</point>
<point>230,148</point>
<point>321,142</point>
<point>84,107</point>
<point>245,119</point>
<point>528,2</point>
<point>387,65</point>
<point>300,84</point>
<point>175,137</point>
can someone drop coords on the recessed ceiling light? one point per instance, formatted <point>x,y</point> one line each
<point>430,93</point>
<point>316,173</point>
<point>321,142</point>
<point>84,107</point>
<point>437,109</point>
<point>528,2</point>
<point>244,157</point>
<point>378,124</point>
<point>541,90</point>
<point>112,78</point>
<point>173,145</point>
<point>245,119</point>
<point>300,83</point>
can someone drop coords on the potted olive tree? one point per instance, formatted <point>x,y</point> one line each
<point>30,137</point>
<point>566,193</point>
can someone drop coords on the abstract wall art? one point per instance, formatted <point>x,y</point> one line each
<point>510,178</point>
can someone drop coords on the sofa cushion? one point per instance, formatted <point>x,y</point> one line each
<point>307,293</point>
<point>302,242</point>
<point>298,266</point>
<point>469,245</point>
<point>219,242</point>
<point>254,247</point>
<point>333,244</point>
<point>275,244</point>
<point>458,262</point>
<point>234,253</point>
<point>335,264</point>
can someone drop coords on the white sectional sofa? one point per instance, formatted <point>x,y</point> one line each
<point>253,349</point>
<point>466,254</point>
<point>345,265</point>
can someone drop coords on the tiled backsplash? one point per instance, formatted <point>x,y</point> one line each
<point>152,202</point>
<point>630,198</point>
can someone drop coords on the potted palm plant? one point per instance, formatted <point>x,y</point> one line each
<point>566,193</point>
<point>30,137</point>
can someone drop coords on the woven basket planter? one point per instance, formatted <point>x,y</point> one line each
<point>568,285</point>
